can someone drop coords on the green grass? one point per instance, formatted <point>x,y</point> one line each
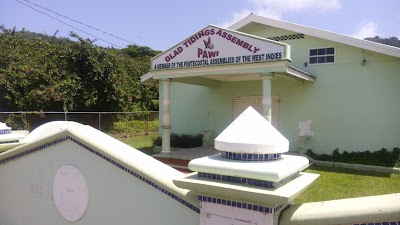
<point>133,132</point>
<point>333,183</point>
<point>338,183</point>
<point>141,142</point>
<point>135,127</point>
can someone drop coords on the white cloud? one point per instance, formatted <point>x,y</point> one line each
<point>236,16</point>
<point>276,8</point>
<point>366,29</point>
<point>298,5</point>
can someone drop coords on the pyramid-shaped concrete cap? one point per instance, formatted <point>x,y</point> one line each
<point>4,126</point>
<point>251,133</point>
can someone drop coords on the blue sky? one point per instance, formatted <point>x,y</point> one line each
<point>162,24</point>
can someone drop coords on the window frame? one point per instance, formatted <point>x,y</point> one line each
<point>325,55</point>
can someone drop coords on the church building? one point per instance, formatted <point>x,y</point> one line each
<point>320,89</point>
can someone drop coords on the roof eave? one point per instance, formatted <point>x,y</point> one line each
<point>147,78</point>
<point>363,44</point>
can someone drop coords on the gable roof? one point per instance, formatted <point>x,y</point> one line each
<point>227,43</point>
<point>191,62</point>
<point>363,44</point>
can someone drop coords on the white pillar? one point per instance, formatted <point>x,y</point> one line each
<point>266,97</point>
<point>166,123</point>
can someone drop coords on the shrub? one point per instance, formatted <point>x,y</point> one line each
<point>16,122</point>
<point>182,140</point>
<point>381,157</point>
<point>311,154</point>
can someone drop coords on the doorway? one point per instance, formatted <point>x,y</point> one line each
<point>241,103</point>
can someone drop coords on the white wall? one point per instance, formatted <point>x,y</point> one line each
<point>115,196</point>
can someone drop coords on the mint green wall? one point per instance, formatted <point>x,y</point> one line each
<point>264,31</point>
<point>352,107</point>
<point>115,197</point>
<point>196,108</point>
<point>350,111</point>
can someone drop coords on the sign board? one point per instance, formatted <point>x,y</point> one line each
<point>213,46</point>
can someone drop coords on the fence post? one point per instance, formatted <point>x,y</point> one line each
<point>147,123</point>
<point>65,116</point>
<point>126,125</point>
<point>99,120</point>
<point>25,121</point>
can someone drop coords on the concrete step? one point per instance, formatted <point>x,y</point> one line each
<point>179,164</point>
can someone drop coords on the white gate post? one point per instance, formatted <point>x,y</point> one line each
<point>267,96</point>
<point>251,181</point>
<point>166,122</point>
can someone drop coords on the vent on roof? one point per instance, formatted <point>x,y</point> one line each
<point>287,37</point>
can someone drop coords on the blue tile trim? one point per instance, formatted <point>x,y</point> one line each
<point>250,157</point>
<point>241,205</point>
<point>33,150</point>
<point>138,176</point>
<point>380,223</point>
<point>8,142</point>
<point>249,181</point>
<point>5,131</point>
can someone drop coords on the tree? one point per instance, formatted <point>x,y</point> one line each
<point>136,51</point>
<point>29,69</point>
<point>39,73</point>
<point>392,41</point>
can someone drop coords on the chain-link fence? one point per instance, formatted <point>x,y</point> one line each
<point>128,123</point>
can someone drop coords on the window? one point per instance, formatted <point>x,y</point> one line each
<point>321,55</point>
